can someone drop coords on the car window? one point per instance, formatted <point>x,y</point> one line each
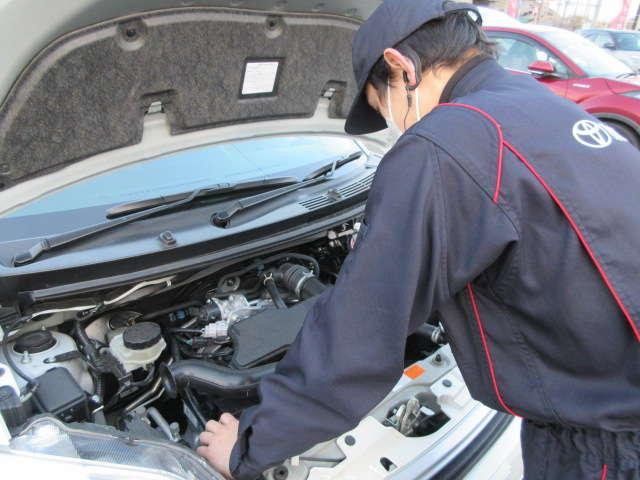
<point>602,39</point>
<point>595,61</point>
<point>628,41</point>
<point>516,54</point>
<point>194,168</point>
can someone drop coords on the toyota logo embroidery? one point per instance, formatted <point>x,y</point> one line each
<point>592,134</point>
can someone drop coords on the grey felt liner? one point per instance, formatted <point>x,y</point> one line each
<point>88,91</point>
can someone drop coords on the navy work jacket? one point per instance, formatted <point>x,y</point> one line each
<point>513,214</point>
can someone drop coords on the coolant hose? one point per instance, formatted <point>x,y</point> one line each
<point>208,377</point>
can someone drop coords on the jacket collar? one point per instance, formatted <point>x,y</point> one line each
<point>469,77</point>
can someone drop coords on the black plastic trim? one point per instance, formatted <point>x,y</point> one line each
<point>52,285</point>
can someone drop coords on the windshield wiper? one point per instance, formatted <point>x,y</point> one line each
<point>224,188</point>
<point>213,190</point>
<point>332,165</point>
<point>627,75</point>
<point>222,219</point>
<point>322,174</point>
<point>141,210</point>
<point>132,212</point>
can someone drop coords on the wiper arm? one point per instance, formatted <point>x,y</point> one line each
<point>322,174</point>
<point>131,212</point>
<point>627,75</point>
<point>335,163</point>
<point>214,190</point>
<point>56,241</point>
<point>222,219</point>
<point>141,210</point>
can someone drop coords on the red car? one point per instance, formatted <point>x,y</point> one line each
<point>577,69</point>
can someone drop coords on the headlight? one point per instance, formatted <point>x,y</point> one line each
<point>635,94</point>
<point>106,454</point>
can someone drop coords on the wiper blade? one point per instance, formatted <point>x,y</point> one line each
<point>627,75</point>
<point>140,211</point>
<point>335,163</point>
<point>222,219</point>
<point>213,190</point>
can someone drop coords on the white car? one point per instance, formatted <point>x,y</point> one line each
<point>176,185</point>
<point>495,18</point>
<point>624,44</point>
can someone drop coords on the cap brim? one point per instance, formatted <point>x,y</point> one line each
<point>363,119</point>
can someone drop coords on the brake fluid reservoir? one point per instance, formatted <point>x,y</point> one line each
<point>138,345</point>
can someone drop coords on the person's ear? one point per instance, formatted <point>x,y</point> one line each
<point>402,65</point>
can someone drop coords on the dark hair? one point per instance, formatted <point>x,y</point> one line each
<point>439,43</point>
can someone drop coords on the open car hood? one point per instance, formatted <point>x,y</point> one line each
<point>82,83</point>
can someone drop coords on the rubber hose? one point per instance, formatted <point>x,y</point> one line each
<point>270,285</point>
<point>84,340</point>
<point>207,377</point>
<point>300,281</point>
<point>174,308</point>
<point>312,287</point>
<point>258,264</point>
<point>431,333</point>
<point>175,349</point>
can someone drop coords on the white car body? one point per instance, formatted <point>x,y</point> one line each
<point>618,43</point>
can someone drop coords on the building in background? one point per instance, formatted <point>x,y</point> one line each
<point>525,10</point>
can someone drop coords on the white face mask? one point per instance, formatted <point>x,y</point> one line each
<point>391,124</point>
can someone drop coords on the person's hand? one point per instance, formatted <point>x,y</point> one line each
<point>217,441</point>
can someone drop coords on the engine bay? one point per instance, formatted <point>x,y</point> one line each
<point>156,360</point>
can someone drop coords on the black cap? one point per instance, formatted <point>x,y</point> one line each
<point>141,335</point>
<point>388,25</point>
<point>35,342</point>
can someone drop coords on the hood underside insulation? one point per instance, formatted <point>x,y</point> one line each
<point>88,91</point>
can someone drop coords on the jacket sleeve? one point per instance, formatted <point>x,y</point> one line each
<point>349,353</point>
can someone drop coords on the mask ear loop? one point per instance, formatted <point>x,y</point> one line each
<point>389,102</point>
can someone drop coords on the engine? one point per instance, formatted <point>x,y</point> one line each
<point>159,358</point>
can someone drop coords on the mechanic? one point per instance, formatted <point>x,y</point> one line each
<point>510,212</point>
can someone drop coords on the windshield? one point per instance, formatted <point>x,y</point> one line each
<point>595,61</point>
<point>628,41</point>
<point>195,168</point>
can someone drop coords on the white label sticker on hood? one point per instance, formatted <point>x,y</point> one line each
<point>260,77</point>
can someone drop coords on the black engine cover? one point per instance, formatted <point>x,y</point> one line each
<point>265,335</point>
